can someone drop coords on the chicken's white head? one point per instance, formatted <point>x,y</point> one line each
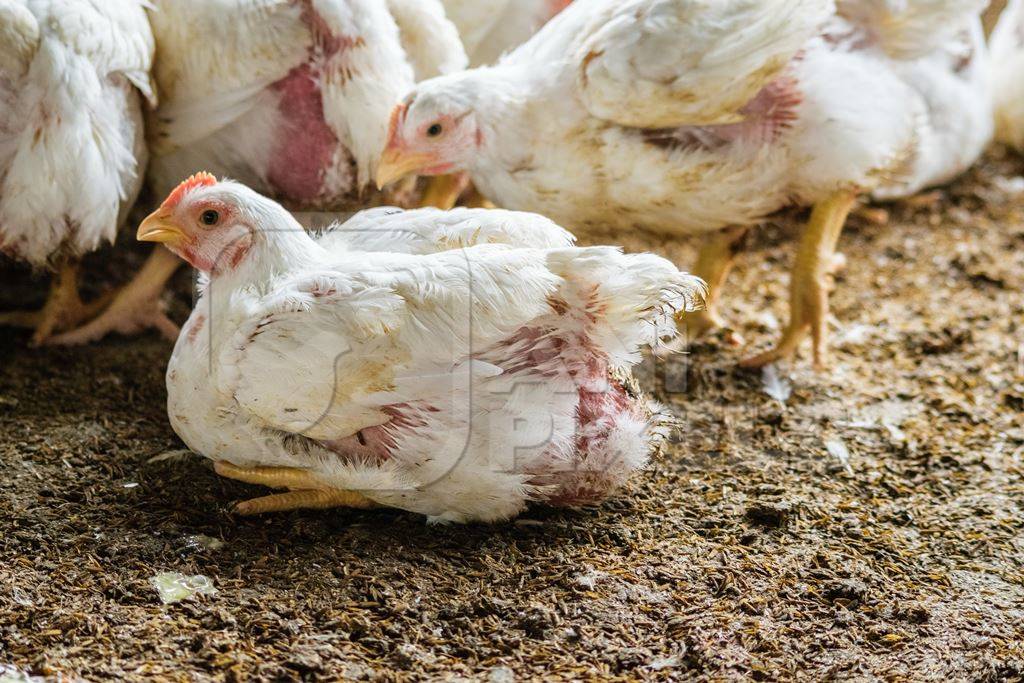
<point>217,226</point>
<point>435,131</point>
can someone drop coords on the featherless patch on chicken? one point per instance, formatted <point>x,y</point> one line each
<point>702,119</point>
<point>456,364</point>
<point>291,97</point>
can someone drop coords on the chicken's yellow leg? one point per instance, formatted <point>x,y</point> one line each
<point>307,492</point>
<point>135,307</point>
<point>808,298</point>
<point>443,191</point>
<point>714,262</point>
<point>304,500</point>
<point>63,308</point>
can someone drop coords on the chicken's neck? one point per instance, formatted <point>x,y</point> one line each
<point>274,251</point>
<point>501,94</point>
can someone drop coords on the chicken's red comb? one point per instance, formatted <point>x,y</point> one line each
<point>201,179</point>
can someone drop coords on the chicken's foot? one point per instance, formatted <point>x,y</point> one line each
<point>714,261</point>
<point>63,308</point>
<point>307,492</point>
<point>135,307</point>
<point>810,282</point>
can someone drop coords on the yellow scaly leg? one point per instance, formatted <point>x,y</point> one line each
<point>307,492</point>
<point>809,284</point>
<point>717,252</point>
<point>63,308</point>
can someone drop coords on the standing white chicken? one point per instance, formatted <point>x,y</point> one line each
<point>490,28</point>
<point>289,96</point>
<point>460,383</point>
<point>1008,66</point>
<point>691,117</point>
<point>72,150</point>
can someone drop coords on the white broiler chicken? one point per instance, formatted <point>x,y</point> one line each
<point>459,365</point>
<point>696,118</point>
<point>490,28</point>
<point>1008,66</point>
<point>289,96</point>
<point>73,74</point>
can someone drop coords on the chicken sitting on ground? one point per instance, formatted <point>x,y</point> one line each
<point>289,96</point>
<point>698,118</point>
<point>460,383</point>
<point>1008,63</point>
<point>490,28</point>
<point>72,154</point>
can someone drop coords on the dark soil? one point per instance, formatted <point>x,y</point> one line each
<point>870,527</point>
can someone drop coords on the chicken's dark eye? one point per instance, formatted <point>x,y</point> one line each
<point>209,217</point>
<point>434,130</point>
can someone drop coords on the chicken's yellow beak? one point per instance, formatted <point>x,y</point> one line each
<point>395,164</point>
<point>158,227</point>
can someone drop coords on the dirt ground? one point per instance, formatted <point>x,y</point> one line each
<point>870,526</point>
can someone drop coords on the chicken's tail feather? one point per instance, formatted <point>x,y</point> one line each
<point>627,301</point>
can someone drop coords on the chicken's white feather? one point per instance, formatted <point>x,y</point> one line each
<point>910,29</point>
<point>431,41</point>
<point>491,28</point>
<point>458,381</point>
<point>664,63</point>
<point>426,231</point>
<point>71,132</point>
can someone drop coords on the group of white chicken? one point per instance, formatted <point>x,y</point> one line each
<point>461,363</point>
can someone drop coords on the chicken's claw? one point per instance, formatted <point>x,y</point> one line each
<point>717,251</point>
<point>307,492</point>
<point>63,309</point>
<point>134,309</point>
<point>815,264</point>
<point>443,192</point>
